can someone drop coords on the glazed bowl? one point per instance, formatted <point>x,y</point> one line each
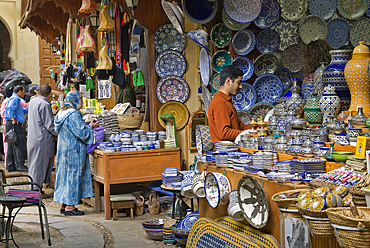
<point>154,222</point>
<point>198,185</point>
<point>156,234</point>
<point>217,188</point>
<point>341,156</point>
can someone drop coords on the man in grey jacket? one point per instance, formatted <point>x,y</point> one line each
<point>41,137</point>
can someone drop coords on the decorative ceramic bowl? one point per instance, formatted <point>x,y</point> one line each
<point>331,200</point>
<point>156,234</point>
<point>318,204</point>
<point>341,156</point>
<point>198,185</point>
<point>340,190</point>
<point>217,188</point>
<point>233,209</point>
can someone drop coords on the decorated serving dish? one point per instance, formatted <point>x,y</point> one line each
<point>244,116</point>
<point>288,32</point>
<point>292,58</point>
<point>243,42</point>
<point>221,35</point>
<point>285,76</point>
<point>268,41</point>
<point>312,28</point>
<point>320,191</point>
<point>351,9</point>
<point>170,63</point>
<point>305,201</point>
<point>220,59</point>
<point>323,8</point>
<point>215,82</point>
<point>245,98</point>
<point>233,25</point>
<point>260,109</point>
<point>200,11</point>
<point>293,10</point>
<point>331,200</point>
<point>341,190</point>
<point>172,88</point>
<point>246,65</point>
<point>317,204</point>
<point>269,15</point>
<point>205,66</point>
<point>338,32</point>
<point>168,38</point>
<point>269,88</point>
<point>217,189</point>
<point>178,110</point>
<point>359,31</point>
<point>237,9</point>
<point>265,63</point>
<point>173,15</point>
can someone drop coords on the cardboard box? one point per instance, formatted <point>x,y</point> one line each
<point>363,144</point>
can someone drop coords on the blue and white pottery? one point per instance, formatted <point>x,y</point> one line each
<point>244,64</point>
<point>188,221</point>
<point>174,14</point>
<point>242,11</point>
<point>220,59</point>
<point>245,98</point>
<point>198,185</point>
<point>269,88</point>
<point>265,63</point>
<point>170,63</point>
<point>200,11</point>
<point>338,32</point>
<point>172,88</point>
<point>168,38</point>
<point>205,66</point>
<point>334,74</point>
<point>200,37</point>
<point>203,139</point>
<point>323,8</point>
<point>233,25</point>
<point>307,90</point>
<point>233,209</point>
<point>288,31</point>
<point>243,42</point>
<point>217,188</point>
<point>329,103</point>
<point>269,15</point>
<point>268,41</point>
<point>285,76</point>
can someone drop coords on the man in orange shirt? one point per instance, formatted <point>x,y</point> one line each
<point>224,123</point>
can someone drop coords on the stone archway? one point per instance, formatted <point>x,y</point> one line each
<point>5,44</point>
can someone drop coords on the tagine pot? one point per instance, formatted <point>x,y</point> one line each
<point>334,74</point>
<point>357,78</point>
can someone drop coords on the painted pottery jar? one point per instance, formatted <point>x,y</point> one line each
<point>359,120</point>
<point>281,121</point>
<point>307,89</point>
<point>298,122</point>
<point>291,114</point>
<point>329,103</point>
<point>353,133</point>
<point>334,74</point>
<point>295,102</point>
<point>317,79</point>
<point>312,112</point>
<point>357,78</point>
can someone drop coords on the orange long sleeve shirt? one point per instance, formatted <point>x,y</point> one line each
<point>223,120</point>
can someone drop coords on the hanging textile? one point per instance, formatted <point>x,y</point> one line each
<point>125,41</point>
<point>62,53</point>
<point>71,54</point>
<point>118,36</point>
<point>137,78</point>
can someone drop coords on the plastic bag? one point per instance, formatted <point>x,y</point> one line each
<point>11,136</point>
<point>16,78</point>
<point>99,136</point>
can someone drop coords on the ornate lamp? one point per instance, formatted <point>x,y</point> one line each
<point>132,4</point>
<point>94,19</point>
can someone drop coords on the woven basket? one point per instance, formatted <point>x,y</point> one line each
<point>350,239</point>
<point>287,203</point>
<point>130,121</point>
<point>290,213</point>
<point>316,183</point>
<point>319,223</point>
<point>337,217</point>
<point>356,191</point>
<point>312,213</point>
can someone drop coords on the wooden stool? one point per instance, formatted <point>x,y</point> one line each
<point>122,201</point>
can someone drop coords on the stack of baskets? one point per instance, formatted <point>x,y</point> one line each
<point>288,206</point>
<point>132,119</point>
<point>358,195</point>
<point>319,222</point>
<point>350,232</point>
<point>317,183</point>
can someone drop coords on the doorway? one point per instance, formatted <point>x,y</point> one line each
<point>5,63</point>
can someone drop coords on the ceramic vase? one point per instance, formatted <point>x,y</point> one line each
<point>295,102</point>
<point>329,103</point>
<point>357,77</point>
<point>307,89</point>
<point>334,74</point>
<point>312,112</point>
<point>317,79</point>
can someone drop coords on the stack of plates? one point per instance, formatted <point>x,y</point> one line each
<point>152,136</point>
<point>283,166</point>
<point>314,166</point>
<point>226,146</point>
<point>210,157</point>
<point>170,176</point>
<point>239,164</point>
<point>109,121</point>
<point>356,163</point>
<point>274,158</point>
<point>221,159</point>
<point>263,159</point>
<point>253,169</point>
<point>161,135</point>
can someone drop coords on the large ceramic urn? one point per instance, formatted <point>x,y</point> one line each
<point>329,104</point>
<point>334,74</point>
<point>312,112</point>
<point>357,78</point>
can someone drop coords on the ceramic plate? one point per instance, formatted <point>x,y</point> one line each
<point>242,11</point>
<point>269,88</point>
<point>323,8</point>
<point>292,58</point>
<point>221,35</point>
<point>200,37</point>
<point>269,15</point>
<point>245,117</point>
<point>338,32</point>
<point>178,13</point>
<point>215,82</point>
<point>288,32</point>
<point>206,97</point>
<point>265,63</point>
<point>203,139</point>
<point>178,110</point>
<point>360,31</point>
<point>285,76</point>
<point>172,88</point>
<point>232,25</point>
<point>246,65</point>
<point>268,41</point>
<point>260,109</point>
<point>352,9</point>
<point>293,10</point>
<point>172,16</point>
<point>253,201</point>
<point>200,11</point>
<point>205,66</point>
<point>170,63</point>
<point>244,42</point>
<point>221,59</point>
<point>168,38</point>
<point>312,28</point>
<point>245,98</point>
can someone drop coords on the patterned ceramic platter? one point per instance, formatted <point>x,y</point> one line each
<point>269,88</point>
<point>360,31</point>
<point>245,98</point>
<point>352,9</point>
<point>292,58</point>
<point>244,42</point>
<point>312,28</point>
<point>205,66</point>
<point>260,109</point>
<point>285,76</point>
<point>206,97</point>
<point>338,32</point>
<point>269,15</point>
<point>232,25</point>
<point>178,110</point>
<point>323,8</point>
<point>244,116</point>
<point>246,65</point>
<point>168,38</point>
<point>268,41</point>
<point>200,11</point>
<point>253,201</point>
<point>242,11</point>
<point>288,31</point>
<point>265,63</point>
<point>168,9</point>
<point>203,139</point>
<point>170,63</point>
<point>293,10</point>
<point>221,35</point>
<point>172,88</point>
<point>215,82</point>
<point>221,59</point>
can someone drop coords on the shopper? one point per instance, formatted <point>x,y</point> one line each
<point>315,52</point>
<point>41,137</point>
<point>14,115</point>
<point>73,176</point>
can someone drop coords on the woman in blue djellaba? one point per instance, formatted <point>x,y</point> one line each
<point>73,175</point>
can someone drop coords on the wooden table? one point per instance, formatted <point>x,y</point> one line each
<point>128,167</point>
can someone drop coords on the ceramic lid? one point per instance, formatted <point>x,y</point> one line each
<point>361,48</point>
